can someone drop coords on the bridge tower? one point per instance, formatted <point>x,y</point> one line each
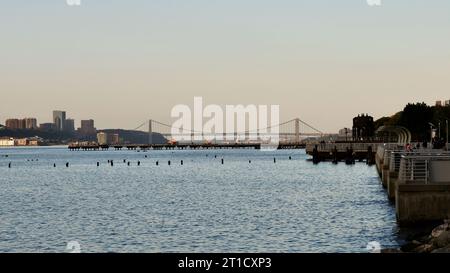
<point>150,132</point>
<point>297,130</point>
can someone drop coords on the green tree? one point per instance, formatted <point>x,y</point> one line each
<point>416,118</point>
<point>440,115</point>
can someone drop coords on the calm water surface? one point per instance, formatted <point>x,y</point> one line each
<point>202,206</point>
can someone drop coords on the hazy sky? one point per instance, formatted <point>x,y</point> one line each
<point>121,62</point>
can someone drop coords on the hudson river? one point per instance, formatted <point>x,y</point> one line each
<point>200,206</point>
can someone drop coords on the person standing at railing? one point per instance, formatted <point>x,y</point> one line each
<point>408,148</point>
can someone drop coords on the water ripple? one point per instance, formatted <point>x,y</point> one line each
<point>202,206</point>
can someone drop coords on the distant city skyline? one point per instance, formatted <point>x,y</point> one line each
<point>124,62</point>
<point>60,122</point>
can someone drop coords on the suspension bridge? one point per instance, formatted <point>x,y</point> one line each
<point>289,134</point>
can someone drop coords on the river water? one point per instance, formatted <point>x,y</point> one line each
<point>200,206</point>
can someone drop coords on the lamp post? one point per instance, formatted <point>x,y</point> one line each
<point>439,130</point>
<point>446,141</point>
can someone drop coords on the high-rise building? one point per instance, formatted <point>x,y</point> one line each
<point>69,125</point>
<point>26,123</point>
<point>30,123</point>
<point>87,127</point>
<point>13,123</point>
<point>59,119</point>
<point>438,103</point>
<point>22,124</point>
<point>114,139</point>
<point>104,138</point>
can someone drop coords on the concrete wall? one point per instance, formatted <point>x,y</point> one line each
<point>440,171</point>
<point>384,175</point>
<point>392,184</point>
<point>422,203</point>
<point>379,164</point>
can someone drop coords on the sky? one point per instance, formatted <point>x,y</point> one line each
<point>121,62</point>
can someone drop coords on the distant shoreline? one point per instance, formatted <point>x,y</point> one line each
<point>42,146</point>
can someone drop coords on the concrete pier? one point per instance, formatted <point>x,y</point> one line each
<point>422,203</point>
<point>392,185</point>
<point>394,169</point>
<point>387,175</point>
<point>418,181</point>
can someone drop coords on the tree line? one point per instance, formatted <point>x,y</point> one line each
<point>416,117</point>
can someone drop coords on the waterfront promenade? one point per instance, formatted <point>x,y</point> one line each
<point>418,181</point>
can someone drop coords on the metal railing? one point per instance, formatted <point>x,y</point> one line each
<point>416,168</point>
<point>396,156</point>
<point>395,159</point>
<point>387,156</point>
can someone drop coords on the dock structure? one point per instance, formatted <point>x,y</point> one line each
<point>418,181</point>
<point>341,151</point>
<point>190,146</point>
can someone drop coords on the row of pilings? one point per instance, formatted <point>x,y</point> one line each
<point>138,163</point>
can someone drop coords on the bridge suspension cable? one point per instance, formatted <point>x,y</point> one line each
<point>295,121</point>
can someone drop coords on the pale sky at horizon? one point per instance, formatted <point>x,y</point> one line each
<point>121,62</point>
